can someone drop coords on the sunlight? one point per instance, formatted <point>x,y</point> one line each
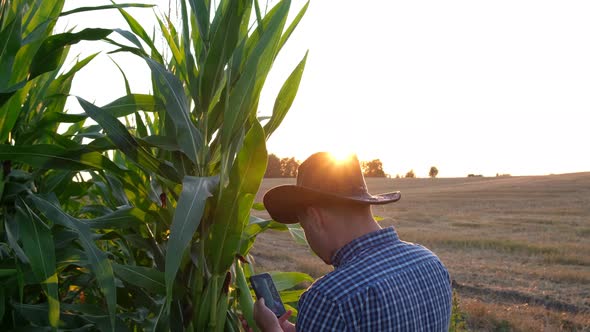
<point>341,156</point>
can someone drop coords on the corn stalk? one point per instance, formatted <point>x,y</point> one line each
<point>200,153</point>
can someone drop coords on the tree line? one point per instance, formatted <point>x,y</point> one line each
<point>287,168</point>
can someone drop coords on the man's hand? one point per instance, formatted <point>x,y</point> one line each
<point>267,321</point>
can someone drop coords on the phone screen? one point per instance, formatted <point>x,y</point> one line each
<point>265,288</point>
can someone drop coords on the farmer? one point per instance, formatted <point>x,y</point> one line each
<point>379,282</point>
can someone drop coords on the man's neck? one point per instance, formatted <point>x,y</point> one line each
<point>353,229</point>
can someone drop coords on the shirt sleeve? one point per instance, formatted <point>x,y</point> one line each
<point>318,313</point>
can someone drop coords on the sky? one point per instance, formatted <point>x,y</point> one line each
<point>481,87</point>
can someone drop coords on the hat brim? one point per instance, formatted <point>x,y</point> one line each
<point>284,202</point>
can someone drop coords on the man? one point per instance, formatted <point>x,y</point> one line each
<point>379,282</point>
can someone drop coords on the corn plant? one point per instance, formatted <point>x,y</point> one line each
<point>154,238</point>
<point>194,160</point>
<point>53,274</point>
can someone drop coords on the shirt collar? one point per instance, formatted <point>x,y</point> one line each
<point>362,243</point>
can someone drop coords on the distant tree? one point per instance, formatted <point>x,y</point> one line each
<point>410,174</point>
<point>433,172</point>
<point>474,175</point>
<point>373,168</point>
<point>289,167</point>
<point>273,167</point>
<point>397,176</point>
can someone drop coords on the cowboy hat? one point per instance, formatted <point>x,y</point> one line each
<point>322,178</point>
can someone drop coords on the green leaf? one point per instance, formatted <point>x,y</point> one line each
<point>291,296</point>
<point>255,227</point>
<point>236,200</point>
<point>247,90</point>
<point>12,228</point>
<point>258,206</point>
<point>126,143</point>
<point>285,98</point>
<point>7,272</point>
<point>201,11</point>
<point>127,217</point>
<point>97,259</point>
<point>121,5</point>
<point>10,110</point>
<point>162,142</point>
<point>177,107</point>
<point>224,40</point>
<point>130,104</point>
<point>38,246</point>
<point>10,42</point>
<point>138,30</point>
<point>52,156</point>
<point>293,25</point>
<point>288,280</point>
<point>174,48</point>
<point>187,217</point>
<point>49,55</point>
<point>298,234</point>
<point>147,278</point>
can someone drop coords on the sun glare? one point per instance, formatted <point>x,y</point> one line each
<point>341,156</point>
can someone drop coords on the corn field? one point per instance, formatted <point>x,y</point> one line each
<point>140,219</point>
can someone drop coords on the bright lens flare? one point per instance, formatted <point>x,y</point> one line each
<point>341,156</point>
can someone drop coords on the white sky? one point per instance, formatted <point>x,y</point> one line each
<point>468,86</point>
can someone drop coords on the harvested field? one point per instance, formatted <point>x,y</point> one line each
<point>518,248</point>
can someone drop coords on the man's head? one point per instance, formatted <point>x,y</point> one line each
<point>330,200</point>
<point>330,226</point>
<point>322,179</point>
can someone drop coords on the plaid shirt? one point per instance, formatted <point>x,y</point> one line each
<point>380,283</point>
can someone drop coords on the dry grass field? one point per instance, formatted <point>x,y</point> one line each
<point>518,248</point>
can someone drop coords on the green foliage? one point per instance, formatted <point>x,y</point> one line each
<point>410,174</point>
<point>139,228</point>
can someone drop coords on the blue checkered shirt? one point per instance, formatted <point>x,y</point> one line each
<point>380,283</point>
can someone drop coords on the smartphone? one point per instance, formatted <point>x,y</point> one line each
<point>265,288</point>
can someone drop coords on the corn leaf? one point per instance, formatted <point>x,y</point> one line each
<point>39,248</point>
<point>236,200</point>
<point>201,11</point>
<point>285,98</point>
<point>162,142</point>
<point>132,103</point>
<point>177,107</point>
<point>140,31</point>
<point>50,53</point>
<point>224,39</point>
<point>12,228</point>
<point>126,143</point>
<point>120,5</point>
<point>293,25</point>
<point>52,156</point>
<point>126,217</point>
<point>288,280</point>
<point>10,42</point>
<point>187,217</point>
<point>10,110</point>
<point>144,277</point>
<point>247,90</point>
<point>298,234</point>
<point>97,259</point>
<point>255,227</point>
